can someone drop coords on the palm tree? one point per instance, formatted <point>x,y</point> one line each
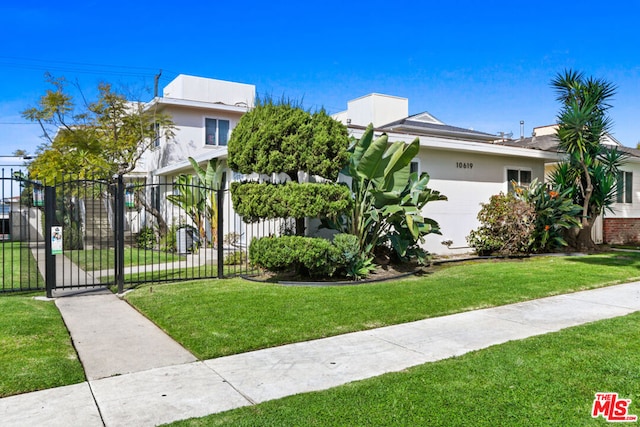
<point>591,169</point>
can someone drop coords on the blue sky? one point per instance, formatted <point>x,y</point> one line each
<point>481,65</point>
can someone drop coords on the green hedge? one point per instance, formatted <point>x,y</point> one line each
<point>306,255</point>
<point>254,201</point>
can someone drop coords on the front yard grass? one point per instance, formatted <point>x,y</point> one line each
<point>217,318</point>
<point>548,380</point>
<point>18,268</point>
<point>36,349</point>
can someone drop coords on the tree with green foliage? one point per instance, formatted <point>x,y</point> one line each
<point>283,138</point>
<point>276,138</point>
<point>97,139</point>
<point>591,170</point>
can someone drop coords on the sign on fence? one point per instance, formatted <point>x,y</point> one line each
<point>56,240</point>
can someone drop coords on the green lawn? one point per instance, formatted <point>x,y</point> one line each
<point>189,273</point>
<point>548,380</point>
<point>104,259</point>
<point>217,318</point>
<point>36,351</point>
<point>19,269</point>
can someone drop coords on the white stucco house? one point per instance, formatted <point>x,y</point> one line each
<point>465,165</point>
<point>204,112</point>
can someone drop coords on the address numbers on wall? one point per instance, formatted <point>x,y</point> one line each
<point>464,165</point>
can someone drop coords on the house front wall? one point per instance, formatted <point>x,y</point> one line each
<point>467,179</point>
<point>189,138</point>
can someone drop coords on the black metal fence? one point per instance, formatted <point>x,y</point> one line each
<point>92,233</point>
<point>21,238</point>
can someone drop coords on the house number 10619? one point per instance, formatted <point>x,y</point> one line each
<point>464,165</point>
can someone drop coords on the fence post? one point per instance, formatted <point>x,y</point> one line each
<point>220,232</point>
<point>119,229</point>
<point>49,222</point>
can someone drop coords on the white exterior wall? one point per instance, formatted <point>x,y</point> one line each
<point>374,108</point>
<point>629,210</point>
<point>202,89</point>
<point>189,139</point>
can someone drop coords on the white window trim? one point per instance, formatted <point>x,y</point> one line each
<point>624,201</point>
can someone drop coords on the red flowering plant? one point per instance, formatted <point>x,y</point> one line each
<point>555,213</point>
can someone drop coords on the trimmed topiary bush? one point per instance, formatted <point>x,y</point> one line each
<point>254,201</point>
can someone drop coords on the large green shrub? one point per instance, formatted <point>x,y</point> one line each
<point>276,137</point>
<point>146,238</point>
<point>507,226</point>
<point>291,200</point>
<point>304,255</point>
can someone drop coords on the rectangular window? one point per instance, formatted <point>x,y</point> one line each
<point>624,187</point>
<point>155,129</point>
<point>522,178</point>
<point>216,131</point>
<point>155,197</point>
<point>414,167</point>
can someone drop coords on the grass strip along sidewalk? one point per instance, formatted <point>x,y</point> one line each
<point>218,318</point>
<point>36,348</point>
<point>549,380</point>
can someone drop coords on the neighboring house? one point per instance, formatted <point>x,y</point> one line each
<point>465,165</point>
<point>204,112</point>
<point>622,225</point>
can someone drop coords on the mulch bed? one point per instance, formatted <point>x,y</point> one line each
<point>382,273</point>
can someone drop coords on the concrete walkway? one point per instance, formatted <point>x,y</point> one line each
<point>137,376</point>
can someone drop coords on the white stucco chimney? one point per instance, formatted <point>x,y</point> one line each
<point>374,108</point>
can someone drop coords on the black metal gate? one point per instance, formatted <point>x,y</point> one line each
<point>86,233</point>
<point>80,231</point>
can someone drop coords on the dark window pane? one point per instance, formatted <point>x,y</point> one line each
<point>628,190</point>
<point>620,188</point>
<point>223,130</point>
<point>210,131</point>
<point>525,177</point>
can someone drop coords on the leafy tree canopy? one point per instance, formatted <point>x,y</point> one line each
<point>277,137</point>
<point>100,138</point>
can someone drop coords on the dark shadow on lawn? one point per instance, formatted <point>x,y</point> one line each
<point>624,259</point>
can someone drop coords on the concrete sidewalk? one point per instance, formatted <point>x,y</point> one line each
<point>158,389</point>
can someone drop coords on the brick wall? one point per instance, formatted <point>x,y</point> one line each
<point>621,230</point>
